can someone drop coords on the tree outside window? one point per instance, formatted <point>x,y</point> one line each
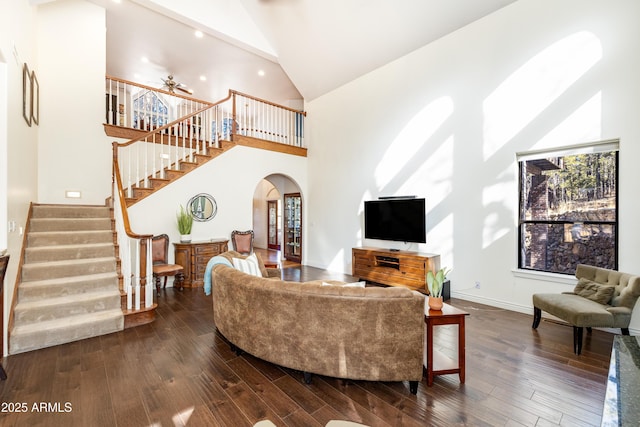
<point>569,208</point>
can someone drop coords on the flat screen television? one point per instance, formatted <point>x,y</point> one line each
<point>397,219</point>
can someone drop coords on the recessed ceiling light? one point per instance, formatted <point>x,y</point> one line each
<point>203,78</point>
<point>117,1</point>
<point>144,59</point>
<point>199,34</point>
<point>261,73</point>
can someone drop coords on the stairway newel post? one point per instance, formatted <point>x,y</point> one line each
<point>143,264</point>
<point>234,126</point>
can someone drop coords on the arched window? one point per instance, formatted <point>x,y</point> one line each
<point>149,112</point>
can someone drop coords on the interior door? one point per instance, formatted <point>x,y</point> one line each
<point>272,221</point>
<point>293,227</point>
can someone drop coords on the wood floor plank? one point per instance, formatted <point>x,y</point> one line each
<point>179,370</point>
<point>251,405</point>
<point>299,393</point>
<point>277,400</point>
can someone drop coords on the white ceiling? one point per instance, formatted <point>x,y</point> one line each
<point>305,47</point>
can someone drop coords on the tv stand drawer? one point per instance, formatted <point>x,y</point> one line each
<point>393,268</point>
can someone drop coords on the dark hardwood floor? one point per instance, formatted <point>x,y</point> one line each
<point>179,371</point>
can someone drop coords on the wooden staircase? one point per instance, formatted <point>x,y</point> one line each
<point>68,287</point>
<point>173,172</point>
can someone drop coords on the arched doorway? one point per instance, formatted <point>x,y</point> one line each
<point>277,218</point>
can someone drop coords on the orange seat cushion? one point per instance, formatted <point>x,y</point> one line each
<point>167,269</point>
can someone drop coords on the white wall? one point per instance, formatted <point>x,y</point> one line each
<point>233,192</point>
<point>73,151</point>
<point>64,43</point>
<point>260,224</point>
<point>445,122</point>
<point>18,141</point>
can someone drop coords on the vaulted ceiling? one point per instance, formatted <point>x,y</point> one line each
<point>305,48</point>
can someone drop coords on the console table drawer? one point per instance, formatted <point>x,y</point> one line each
<point>194,256</point>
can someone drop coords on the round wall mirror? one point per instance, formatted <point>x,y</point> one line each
<point>202,207</point>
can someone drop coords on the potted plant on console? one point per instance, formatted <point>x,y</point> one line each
<point>435,284</point>
<point>185,222</point>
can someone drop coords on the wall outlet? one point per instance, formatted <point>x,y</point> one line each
<point>477,285</point>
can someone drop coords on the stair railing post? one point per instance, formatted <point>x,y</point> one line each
<point>234,128</point>
<point>137,275</point>
<point>143,260</point>
<point>148,297</point>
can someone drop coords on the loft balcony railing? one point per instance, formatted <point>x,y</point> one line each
<point>135,106</point>
<point>173,130</point>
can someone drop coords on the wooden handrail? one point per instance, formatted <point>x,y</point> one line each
<point>121,198</point>
<point>293,110</point>
<point>155,89</point>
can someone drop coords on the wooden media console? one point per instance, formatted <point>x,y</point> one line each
<point>393,268</point>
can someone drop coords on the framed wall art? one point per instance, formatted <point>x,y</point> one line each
<point>27,96</point>
<point>35,99</point>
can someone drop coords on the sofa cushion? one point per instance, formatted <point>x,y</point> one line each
<point>230,255</point>
<point>248,265</point>
<point>351,285</point>
<point>594,291</point>
<point>576,310</point>
<point>263,269</point>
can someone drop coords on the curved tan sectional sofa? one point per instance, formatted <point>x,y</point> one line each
<point>343,332</point>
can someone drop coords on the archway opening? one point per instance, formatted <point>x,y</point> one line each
<point>277,220</point>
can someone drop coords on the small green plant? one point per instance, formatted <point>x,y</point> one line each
<point>435,281</point>
<point>185,221</point>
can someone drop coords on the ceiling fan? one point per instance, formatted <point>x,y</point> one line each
<point>171,85</point>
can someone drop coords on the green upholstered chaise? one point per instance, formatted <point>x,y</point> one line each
<point>603,298</point>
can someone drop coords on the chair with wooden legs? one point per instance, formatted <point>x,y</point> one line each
<point>161,267</point>
<point>242,241</point>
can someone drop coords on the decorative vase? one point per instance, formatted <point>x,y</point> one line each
<point>185,238</point>
<point>435,303</point>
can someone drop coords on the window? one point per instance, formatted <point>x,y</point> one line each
<point>149,112</point>
<point>569,208</point>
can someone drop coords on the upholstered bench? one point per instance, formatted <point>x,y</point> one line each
<point>602,298</point>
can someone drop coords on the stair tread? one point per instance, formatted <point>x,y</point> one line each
<point>70,211</point>
<point>65,232</point>
<point>48,302</point>
<point>68,280</point>
<point>73,218</point>
<point>70,246</point>
<point>64,322</point>
<point>69,261</point>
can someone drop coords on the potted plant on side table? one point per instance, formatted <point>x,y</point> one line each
<point>185,222</point>
<point>435,284</point>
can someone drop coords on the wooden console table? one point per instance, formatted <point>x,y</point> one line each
<point>194,256</point>
<point>435,362</point>
<point>393,268</point>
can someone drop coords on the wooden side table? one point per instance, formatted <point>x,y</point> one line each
<point>435,362</point>
<point>194,256</point>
